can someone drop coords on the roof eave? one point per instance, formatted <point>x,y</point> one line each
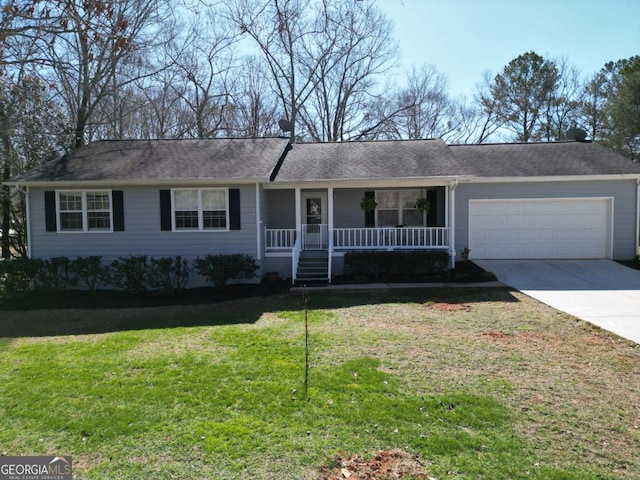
<point>135,183</point>
<point>552,178</point>
<point>370,182</point>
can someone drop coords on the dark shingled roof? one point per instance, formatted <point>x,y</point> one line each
<point>153,160</point>
<point>220,159</point>
<point>375,160</point>
<point>568,158</point>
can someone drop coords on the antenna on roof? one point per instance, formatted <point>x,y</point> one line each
<point>285,125</point>
<point>576,134</point>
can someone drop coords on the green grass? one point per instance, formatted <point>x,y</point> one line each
<point>507,389</point>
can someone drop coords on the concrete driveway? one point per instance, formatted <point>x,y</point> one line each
<point>601,292</point>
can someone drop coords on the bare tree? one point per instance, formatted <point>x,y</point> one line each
<point>253,110</point>
<point>425,109</point>
<point>203,67</point>
<point>101,50</point>
<point>353,49</point>
<point>292,37</point>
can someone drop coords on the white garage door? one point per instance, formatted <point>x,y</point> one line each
<point>534,228</point>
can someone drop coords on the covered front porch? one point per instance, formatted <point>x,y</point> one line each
<point>303,223</point>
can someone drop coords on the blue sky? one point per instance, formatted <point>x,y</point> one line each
<point>463,38</point>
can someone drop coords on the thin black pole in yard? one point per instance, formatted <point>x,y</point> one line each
<point>305,299</point>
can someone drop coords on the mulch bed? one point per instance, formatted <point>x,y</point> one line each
<point>463,273</point>
<point>114,299</point>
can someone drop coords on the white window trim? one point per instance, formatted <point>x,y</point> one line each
<point>422,193</point>
<point>85,222</point>
<point>200,210</point>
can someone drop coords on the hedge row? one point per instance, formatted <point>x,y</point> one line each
<point>134,273</point>
<point>376,264</point>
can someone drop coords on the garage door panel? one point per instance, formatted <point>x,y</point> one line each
<point>539,228</point>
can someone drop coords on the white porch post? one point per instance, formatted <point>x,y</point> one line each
<point>258,224</point>
<point>330,217</point>
<point>298,200</point>
<point>330,229</point>
<point>27,194</point>
<point>452,222</point>
<point>297,246</point>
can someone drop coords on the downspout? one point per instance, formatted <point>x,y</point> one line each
<point>452,226</point>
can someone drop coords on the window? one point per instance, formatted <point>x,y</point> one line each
<point>85,211</point>
<point>397,207</point>
<point>200,209</point>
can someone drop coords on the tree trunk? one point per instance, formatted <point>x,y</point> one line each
<point>6,192</point>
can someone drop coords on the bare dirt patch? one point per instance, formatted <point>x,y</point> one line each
<point>384,465</point>
<point>448,307</point>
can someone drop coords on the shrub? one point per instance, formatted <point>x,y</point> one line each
<point>91,271</point>
<point>169,273</point>
<point>18,275</point>
<point>54,274</point>
<point>362,264</point>
<point>219,269</point>
<point>130,273</point>
<point>396,264</point>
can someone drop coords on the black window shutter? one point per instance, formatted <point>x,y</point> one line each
<point>165,210</point>
<point>234,209</point>
<point>370,216</point>
<point>432,216</point>
<point>50,211</point>
<point>118,210</point>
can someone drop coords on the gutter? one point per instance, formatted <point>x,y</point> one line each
<point>160,182</point>
<point>551,178</point>
<point>363,183</point>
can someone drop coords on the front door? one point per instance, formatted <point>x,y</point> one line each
<point>314,220</point>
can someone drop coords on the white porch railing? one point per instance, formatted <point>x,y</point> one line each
<point>279,239</point>
<point>317,236</point>
<point>295,258</point>
<point>384,238</point>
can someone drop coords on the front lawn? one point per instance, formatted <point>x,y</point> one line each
<point>471,383</point>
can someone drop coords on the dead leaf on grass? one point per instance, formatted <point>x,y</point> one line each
<point>384,465</point>
<point>499,335</point>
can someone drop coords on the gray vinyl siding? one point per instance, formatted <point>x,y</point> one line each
<point>279,265</point>
<point>346,208</point>
<point>623,193</point>
<point>142,235</point>
<point>347,212</point>
<point>280,209</point>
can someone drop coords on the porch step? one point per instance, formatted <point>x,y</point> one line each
<point>313,266</point>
